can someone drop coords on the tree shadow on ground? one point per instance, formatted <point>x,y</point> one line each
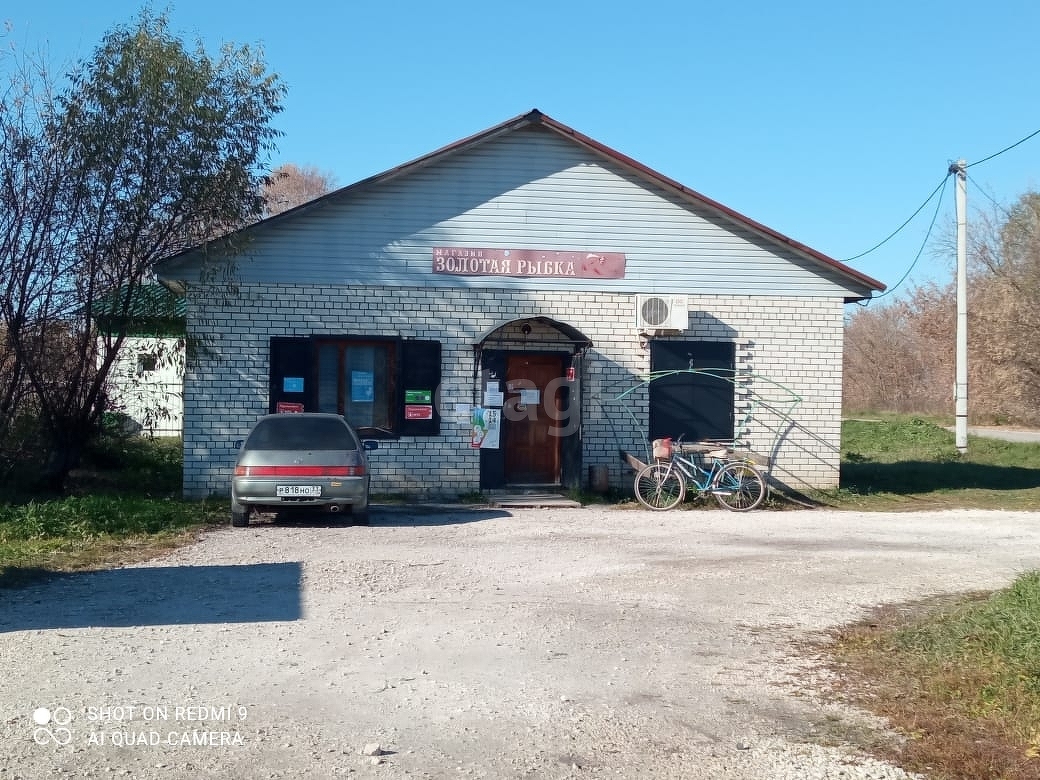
<point>157,595</point>
<point>910,477</point>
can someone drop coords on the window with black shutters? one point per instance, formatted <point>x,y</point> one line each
<point>689,403</point>
<point>382,386</point>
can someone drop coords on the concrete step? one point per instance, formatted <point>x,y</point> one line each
<point>532,500</point>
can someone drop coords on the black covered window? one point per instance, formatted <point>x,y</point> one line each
<point>689,403</point>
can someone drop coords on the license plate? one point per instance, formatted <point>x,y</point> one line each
<point>298,491</point>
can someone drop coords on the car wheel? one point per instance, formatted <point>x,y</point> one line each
<point>239,516</point>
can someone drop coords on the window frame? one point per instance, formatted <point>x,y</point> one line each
<point>344,345</point>
<point>697,392</point>
<point>417,365</point>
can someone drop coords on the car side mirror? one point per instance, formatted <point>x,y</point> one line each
<point>370,444</point>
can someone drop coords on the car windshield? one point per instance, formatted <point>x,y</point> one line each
<point>300,433</point>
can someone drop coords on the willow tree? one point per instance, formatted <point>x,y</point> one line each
<point>152,146</point>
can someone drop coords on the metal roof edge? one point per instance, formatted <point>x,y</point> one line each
<point>536,117</point>
<point>687,192</point>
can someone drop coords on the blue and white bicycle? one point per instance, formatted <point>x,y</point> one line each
<point>708,469</point>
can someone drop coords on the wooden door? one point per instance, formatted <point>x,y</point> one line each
<point>530,417</point>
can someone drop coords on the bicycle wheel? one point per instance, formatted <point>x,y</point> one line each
<point>660,487</point>
<point>739,487</point>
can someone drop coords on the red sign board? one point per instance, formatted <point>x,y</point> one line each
<point>283,407</point>
<point>418,412</point>
<point>547,263</point>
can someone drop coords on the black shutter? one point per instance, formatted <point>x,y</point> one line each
<point>695,406</point>
<point>493,364</point>
<point>290,367</point>
<point>420,374</point>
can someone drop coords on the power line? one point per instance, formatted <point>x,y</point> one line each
<point>1005,149</point>
<point>908,221</point>
<point>919,208</point>
<point>999,206</point>
<point>931,225</point>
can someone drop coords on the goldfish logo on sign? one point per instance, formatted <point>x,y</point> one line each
<point>603,267</point>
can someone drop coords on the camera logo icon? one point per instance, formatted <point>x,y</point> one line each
<point>52,726</point>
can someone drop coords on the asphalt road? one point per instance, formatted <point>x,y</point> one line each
<point>1006,434</point>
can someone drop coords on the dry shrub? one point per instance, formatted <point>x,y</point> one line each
<point>901,356</point>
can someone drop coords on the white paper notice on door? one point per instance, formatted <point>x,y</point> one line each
<point>529,396</point>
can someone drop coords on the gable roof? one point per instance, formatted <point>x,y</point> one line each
<point>537,118</point>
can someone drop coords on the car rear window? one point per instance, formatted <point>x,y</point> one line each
<point>300,433</point>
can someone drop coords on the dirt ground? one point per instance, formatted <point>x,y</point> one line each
<point>595,642</point>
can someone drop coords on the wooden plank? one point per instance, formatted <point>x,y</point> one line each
<point>636,464</point>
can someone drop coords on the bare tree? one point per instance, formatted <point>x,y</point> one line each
<point>897,357</point>
<point>33,236</point>
<point>289,186</point>
<point>1005,312</point>
<point>152,148</point>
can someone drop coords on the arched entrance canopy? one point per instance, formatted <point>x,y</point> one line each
<point>533,332</point>
<point>526,375</point>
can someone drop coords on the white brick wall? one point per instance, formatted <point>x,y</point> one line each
<point>794,347</point>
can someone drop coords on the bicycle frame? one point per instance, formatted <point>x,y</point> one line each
<point>734,482</point>
<point>691,470</point>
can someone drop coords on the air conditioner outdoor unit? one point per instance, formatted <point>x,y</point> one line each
<point>661,312</point>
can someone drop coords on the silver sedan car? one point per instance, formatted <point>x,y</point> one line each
<point>307,461</point>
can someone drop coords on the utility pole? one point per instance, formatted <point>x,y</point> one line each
<point>961,386</point>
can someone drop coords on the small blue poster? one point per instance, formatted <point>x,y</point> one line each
<point>292,384</point>
<point>362,386</point>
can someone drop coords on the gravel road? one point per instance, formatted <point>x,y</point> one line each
<point>596,642</point>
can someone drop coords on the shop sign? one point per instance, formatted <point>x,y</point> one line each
<point>544,263</point>
<point>287,407</point>
<point>418,412</point>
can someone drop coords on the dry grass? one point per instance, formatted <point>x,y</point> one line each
<point>959,679</point>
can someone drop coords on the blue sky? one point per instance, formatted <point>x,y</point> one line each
<point>829,122</point>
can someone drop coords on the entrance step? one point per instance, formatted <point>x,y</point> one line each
<point>530,500</point>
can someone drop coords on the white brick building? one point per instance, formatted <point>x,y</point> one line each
<point>510,273</point>
<point>145,381</point>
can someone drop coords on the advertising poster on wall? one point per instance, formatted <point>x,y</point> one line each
<point>486,428</point>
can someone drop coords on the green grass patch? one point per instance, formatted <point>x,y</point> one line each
<point>131,465</point>
<point>93,532</point>
<point>899,463</point>
<point>961,681</point>
<point>124,505</point>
